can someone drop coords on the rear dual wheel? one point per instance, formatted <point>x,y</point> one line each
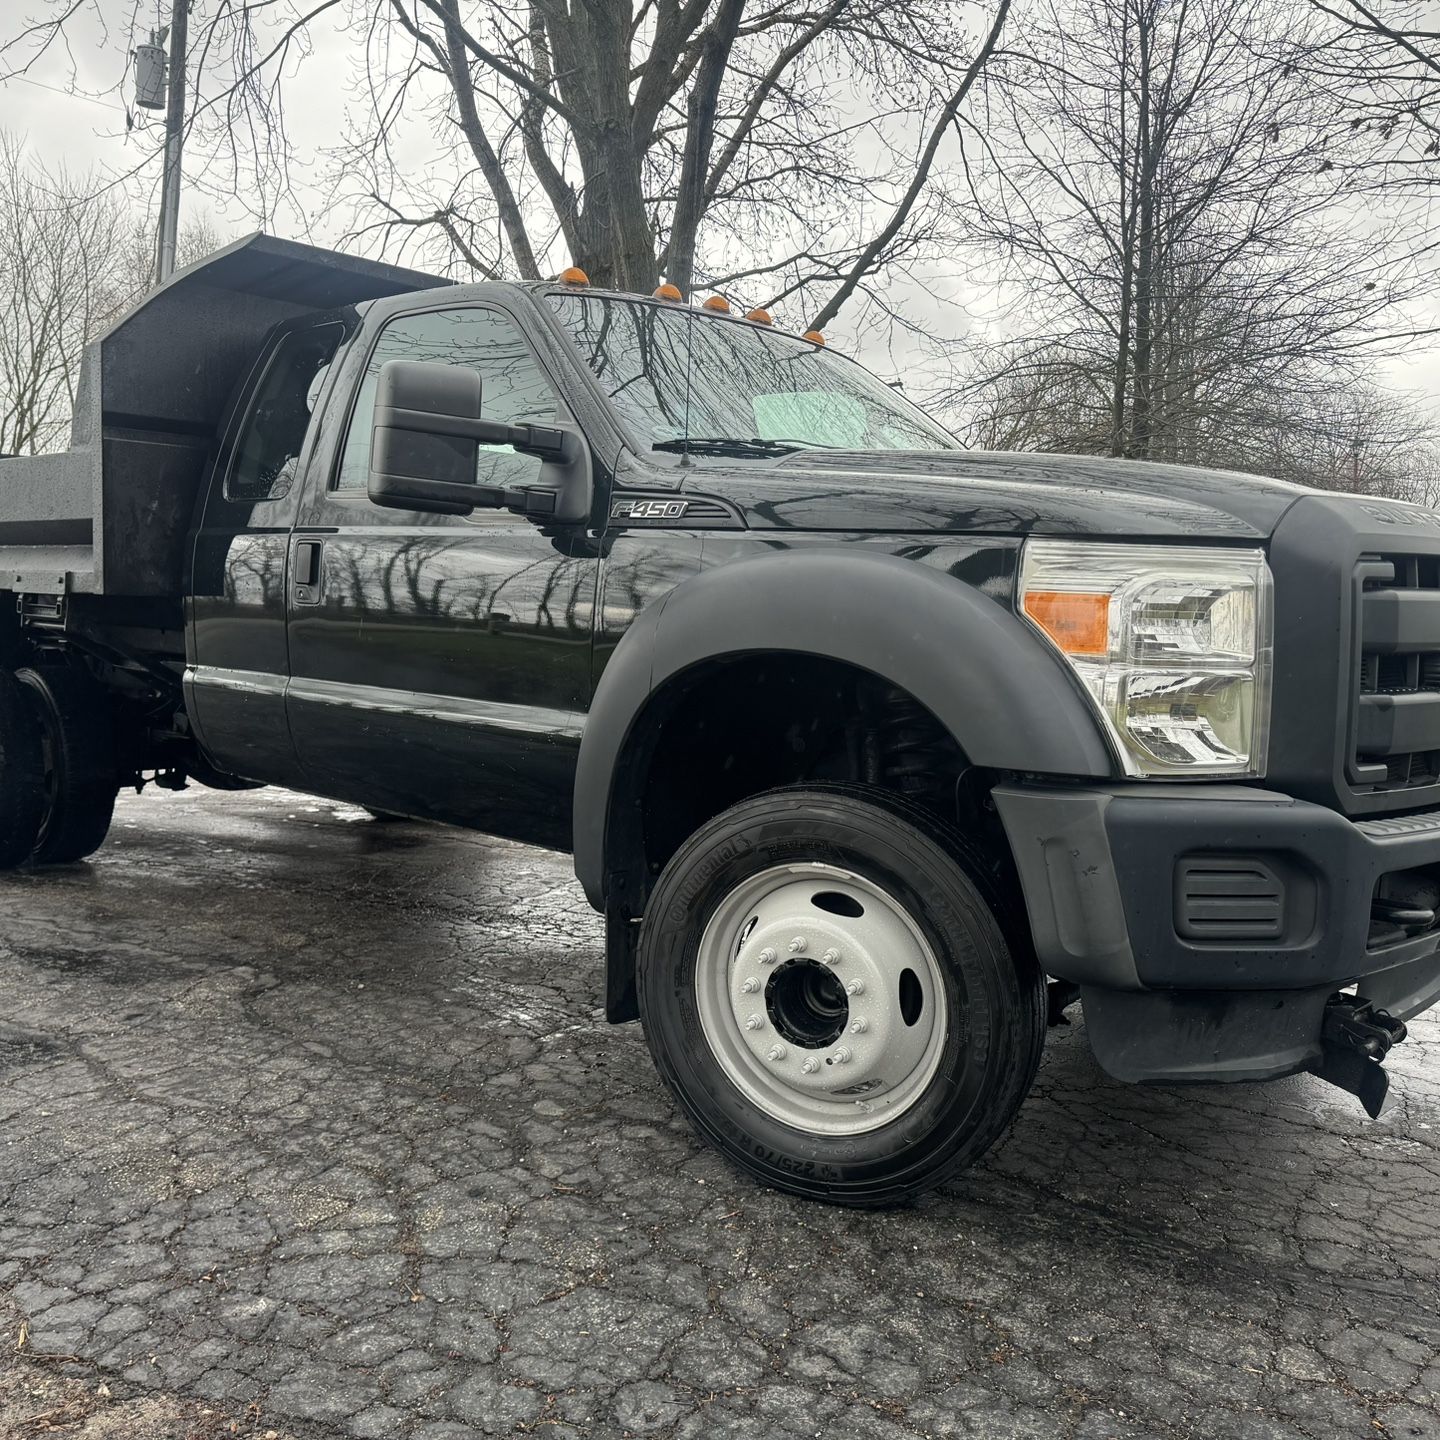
<point>58,777</point>
<point>826,986</point>
<point>22,773</point>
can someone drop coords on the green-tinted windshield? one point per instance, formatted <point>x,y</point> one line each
<point>741,382</point>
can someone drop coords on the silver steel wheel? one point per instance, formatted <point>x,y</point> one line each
<point>821,999</point>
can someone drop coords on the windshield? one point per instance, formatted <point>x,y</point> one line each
<point>742,383</point>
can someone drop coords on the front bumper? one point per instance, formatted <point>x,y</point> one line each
<point>1208,925</point>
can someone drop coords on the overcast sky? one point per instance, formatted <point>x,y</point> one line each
<point>84,132</point>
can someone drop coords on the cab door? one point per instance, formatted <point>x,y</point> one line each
<point>440,665</point>
<point>236,607</point>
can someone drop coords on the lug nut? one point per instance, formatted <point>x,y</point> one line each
<point>751,985</point>
<point>809,1068</point>
<point>776,1052</point>
<point>840,1056</point>
<point>860,1027</point>
<point>754,1022</point>
<point>797,945</point>
<point>855,987</point>
<point>831,956</point>
<point>768,956</point>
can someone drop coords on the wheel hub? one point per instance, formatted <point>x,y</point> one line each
<point>806,1004</point>
<point>821,998</point>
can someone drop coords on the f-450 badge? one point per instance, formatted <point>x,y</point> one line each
<point>648,509</point>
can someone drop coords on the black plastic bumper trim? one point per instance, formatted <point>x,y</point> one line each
<point>1170,1037</point>
<point>1099,866</point>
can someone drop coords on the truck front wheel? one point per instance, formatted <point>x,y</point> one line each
<point>22,774</point>
<point>825,986</point>
<point>78,749</point>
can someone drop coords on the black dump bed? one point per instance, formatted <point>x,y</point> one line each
<point>110,515</point>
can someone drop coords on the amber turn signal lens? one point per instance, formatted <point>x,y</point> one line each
<point>1078,624</point>
<point>760,317</point>
<point>814,337</point>
<point>719,304</point>
<point>667,292</point>
<point>574,275</point>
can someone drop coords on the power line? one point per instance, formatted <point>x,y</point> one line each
<point>68,94</point>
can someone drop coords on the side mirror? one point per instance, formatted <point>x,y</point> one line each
<point>425,444</point>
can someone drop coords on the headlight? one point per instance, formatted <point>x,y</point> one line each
<point>1172,645</point>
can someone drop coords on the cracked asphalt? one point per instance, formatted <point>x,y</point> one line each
<point>311,1126</point>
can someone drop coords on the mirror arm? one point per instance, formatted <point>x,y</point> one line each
<point>547,442</point>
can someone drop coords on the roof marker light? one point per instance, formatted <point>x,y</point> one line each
<point>573,275</point>
<point>668,292</point>
<point>814,337</point>
<point>719,304</point>
<point>760,317</point>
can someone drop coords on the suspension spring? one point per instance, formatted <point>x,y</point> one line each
<point>914,748</point>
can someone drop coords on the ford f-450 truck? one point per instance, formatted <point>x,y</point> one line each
<point>875,752</point>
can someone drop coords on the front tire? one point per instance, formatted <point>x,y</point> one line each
<point>826,988</point>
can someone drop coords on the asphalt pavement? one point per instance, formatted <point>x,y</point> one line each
<point>311,1126</point>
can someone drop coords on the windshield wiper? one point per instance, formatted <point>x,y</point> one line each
<point>735,445</point>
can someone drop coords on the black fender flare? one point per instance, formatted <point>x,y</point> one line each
<point>994,684</point>
<point>985,676</point>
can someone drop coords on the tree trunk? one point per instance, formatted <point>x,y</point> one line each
<point>1144,253</point>
<point>613,240</point>
<point>699,142</point>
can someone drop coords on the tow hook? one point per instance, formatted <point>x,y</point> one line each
<point>1356,1037</point>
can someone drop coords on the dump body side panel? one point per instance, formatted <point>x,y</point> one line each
<point>111,516</point>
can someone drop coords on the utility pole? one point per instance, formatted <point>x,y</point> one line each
<point>174,142</point>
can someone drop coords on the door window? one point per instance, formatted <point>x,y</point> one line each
<point>268,447</point>
<point>513,386</point>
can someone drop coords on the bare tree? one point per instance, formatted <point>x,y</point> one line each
<point>1335,434</point>
<point>58,237</point>
<point>794,150</point>
<point>1162,179</point>
<point>73,259</point>
<point>1023,395</point>
<point>132,271</point>
<point>1422,481</point>
<point>1384,63</point>
<point>1358,439</point>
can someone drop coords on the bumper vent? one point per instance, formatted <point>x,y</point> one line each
<point>1228,899</point>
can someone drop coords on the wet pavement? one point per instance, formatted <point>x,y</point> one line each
<point>310,1125</point>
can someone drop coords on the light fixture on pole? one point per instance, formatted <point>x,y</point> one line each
<point>150,71</point>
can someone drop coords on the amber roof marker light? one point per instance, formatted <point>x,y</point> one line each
<point>814,337</point>
<point>719,304</point>
<point>669,292</point>
<point>760,317</point>
<point>573,275</point>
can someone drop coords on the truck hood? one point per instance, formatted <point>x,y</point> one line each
<point>970,492</point>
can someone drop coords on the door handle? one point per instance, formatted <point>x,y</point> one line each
<point>307,572</point>
<point>307,562</point>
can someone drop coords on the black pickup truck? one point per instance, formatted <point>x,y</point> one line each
<point>875,752</point>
